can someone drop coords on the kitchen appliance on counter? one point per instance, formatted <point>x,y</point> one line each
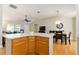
<point>42,29</point>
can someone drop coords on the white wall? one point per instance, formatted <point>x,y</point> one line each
<point>77,29</point>
<point>50,23</point>
<point>25,26</point>
<point>67,22</point>
<point>0,24</point>
<point>74,27</point>
<point>77,22</point>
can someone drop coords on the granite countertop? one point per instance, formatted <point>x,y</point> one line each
<point>13,36</point>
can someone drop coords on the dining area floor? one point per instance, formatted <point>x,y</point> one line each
<point>62,49</point>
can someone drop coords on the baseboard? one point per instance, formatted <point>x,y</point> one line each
<point>73,40</point>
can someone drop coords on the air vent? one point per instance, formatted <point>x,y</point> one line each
<point>13,6</point>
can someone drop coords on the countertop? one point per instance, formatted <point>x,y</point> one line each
<point>13,36</point>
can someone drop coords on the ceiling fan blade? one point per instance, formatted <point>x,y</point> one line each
<point>27,20</point>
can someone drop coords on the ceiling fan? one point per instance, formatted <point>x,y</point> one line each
<point>26,19</point>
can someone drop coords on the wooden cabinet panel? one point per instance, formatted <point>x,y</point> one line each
<point>20,46</point>
<point>42,45</point>
<point>43,39</point>
<point>31,45</point>
<point>42,49</point>
<point>18,39</point>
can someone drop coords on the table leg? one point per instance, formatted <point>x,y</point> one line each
<point>61,40</point>
<point>65,39</point>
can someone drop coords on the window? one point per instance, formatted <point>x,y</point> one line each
<point>10,28</point>
<point>13,28</point>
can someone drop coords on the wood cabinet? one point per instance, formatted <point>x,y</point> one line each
<point>42,45</point>
<point>30,45</point>
<point>20,46</point>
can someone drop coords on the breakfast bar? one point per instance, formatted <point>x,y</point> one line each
<point>32,43</point>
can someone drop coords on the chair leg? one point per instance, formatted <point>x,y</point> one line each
<point>56,40</point>
<point>3,44</point>
<point>61,41</point>
<point>69,41</point>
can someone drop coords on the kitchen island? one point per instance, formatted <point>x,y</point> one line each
<point>32,43</point>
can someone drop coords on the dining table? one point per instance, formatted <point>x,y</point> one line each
<point>63,37</point>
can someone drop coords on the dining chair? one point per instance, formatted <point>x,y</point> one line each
<point>58,35</point>
<point>69,35</point>
<point>3,41</point>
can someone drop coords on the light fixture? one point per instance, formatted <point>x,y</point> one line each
<point>57,15</point>
<point>13,6</point>
<point>58,23</point>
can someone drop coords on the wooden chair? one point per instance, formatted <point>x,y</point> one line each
<point>3,41</point>
<point>58,35</point>
<point>69,35</point>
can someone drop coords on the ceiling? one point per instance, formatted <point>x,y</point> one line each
<point>46,10</point>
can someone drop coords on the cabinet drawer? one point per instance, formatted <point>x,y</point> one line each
<point>19,43</point>
<point>32,40</point>
<point>18,40</point>
<point>45,39</point>
<point>42,42</point>
<point>31,37</point>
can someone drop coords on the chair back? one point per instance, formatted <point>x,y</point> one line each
<point>59,34</point>
<point>69,35</point>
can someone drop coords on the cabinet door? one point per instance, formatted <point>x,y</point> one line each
<point>19,46</point>
<point>31,45</point>
<point>42,45</point>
